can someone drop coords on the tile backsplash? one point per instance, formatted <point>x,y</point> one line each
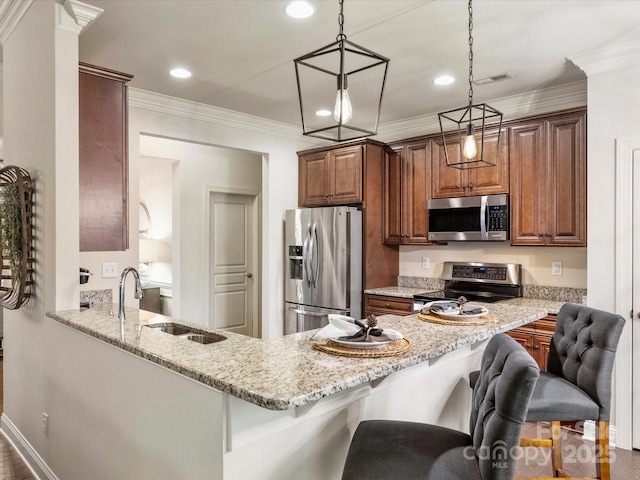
<point>96,296</point>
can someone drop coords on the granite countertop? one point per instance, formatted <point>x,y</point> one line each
<point>404,292</point>
<point>552,306</point>
<point>286,372</point>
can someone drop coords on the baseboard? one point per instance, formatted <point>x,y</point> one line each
<point>590,432</point>
<point>38,466</point>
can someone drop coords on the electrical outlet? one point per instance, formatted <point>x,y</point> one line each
<point>45,424</point>
<point>425,262</point>
<point>109,270</point>
<point>556,268</point>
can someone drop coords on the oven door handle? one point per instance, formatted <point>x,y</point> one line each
<point>484,217</point>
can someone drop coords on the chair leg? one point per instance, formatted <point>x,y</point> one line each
<point>556,450</point>
<point>603,459</point>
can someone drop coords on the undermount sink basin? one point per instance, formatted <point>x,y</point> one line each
<point>204,339</point>
<point>171,328</point>
<point>188,333</point>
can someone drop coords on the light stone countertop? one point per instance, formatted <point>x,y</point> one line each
<point>286,372</point>
<point>403,292</point>
<point>552,306</point>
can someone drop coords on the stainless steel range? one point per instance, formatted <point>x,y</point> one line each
<point>480,282</point>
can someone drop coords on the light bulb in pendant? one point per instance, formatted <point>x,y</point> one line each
<point>343,110</point>
<point>469,149</point>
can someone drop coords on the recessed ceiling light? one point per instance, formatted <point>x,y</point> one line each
<point>323,113</point>
<point>299,9</point>
<point>180,73</point>
<point>444,80</point>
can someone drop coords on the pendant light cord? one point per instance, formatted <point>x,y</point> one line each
<point>470,54</point>
<point>341,36</point>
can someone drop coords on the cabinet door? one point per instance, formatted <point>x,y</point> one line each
<point>566,180</point>
<point>416,189</point>
<point>392,196</point>
<point>523,338</point>
<point>346,175</point>
<point>528,173</point>
<point>103,164</point>
<point>492,180</point>
<point>446,181</point>
<point>313,180</point>
<point>541,345</point>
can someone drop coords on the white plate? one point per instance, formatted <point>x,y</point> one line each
<point>464,317</point>
<point>361,345</point>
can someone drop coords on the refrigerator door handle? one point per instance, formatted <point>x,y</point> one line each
<point>315,257</point>
<point>310,314</point>
<point>306,262</point>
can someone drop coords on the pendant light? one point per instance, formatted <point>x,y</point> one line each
<point>343,87</point>
<point>466,126</point>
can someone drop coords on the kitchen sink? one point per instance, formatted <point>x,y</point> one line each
<point>204,339</point>
<point>171,328</point>
<point>188,333</point>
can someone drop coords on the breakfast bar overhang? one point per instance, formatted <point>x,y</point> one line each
<point>135,402</point>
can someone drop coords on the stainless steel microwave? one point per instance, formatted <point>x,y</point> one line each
<point>482,218</point>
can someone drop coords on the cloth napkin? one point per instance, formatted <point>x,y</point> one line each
<point>452,308</point>
<point>343,326</point>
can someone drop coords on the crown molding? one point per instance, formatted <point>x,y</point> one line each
<point>11,12</point>
<point>610,58</point>
<point>74,16</point>
<point>177,107</point>
<point>515,106</point>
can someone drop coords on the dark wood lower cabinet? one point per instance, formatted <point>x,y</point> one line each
<point>536,338</point>
<point>387,305</point>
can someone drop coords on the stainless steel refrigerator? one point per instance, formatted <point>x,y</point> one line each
<point>323,271</point>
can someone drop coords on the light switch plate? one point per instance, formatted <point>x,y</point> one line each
<point>109,270</point>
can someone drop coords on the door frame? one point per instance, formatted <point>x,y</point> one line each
<point>256,256</point>
<point>627,151</point>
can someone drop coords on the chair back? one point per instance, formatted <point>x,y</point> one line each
<point>583,349</point>
<point>501,395</point>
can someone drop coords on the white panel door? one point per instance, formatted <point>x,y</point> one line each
<point>231,262</point>
<point>634,322</point>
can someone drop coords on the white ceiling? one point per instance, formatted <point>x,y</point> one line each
<point>241,51</point>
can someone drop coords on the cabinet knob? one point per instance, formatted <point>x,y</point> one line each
<point>541,234</point>
<point>536,347</point>
<point>470,186</point>
<point>326,195</point>
<point>388,305</point>
<point>527,345</point>
<point>547,234</point>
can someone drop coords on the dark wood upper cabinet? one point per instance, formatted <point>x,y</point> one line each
<point>407,186</point>
<point>450,182</point>
<point>331,177</point>
<point>548,181</point>
<point>352,173</point>
<point>103,166</point>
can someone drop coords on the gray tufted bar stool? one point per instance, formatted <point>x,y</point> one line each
<point>577,383</point>
<point>398,450</point>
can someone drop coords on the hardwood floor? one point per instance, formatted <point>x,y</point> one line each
<point>578,457</point>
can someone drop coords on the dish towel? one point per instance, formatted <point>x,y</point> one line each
<point>345,328</point>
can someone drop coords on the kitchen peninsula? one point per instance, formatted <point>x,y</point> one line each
<point>246,408</point>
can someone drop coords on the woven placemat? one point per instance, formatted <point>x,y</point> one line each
<point>389,350</point>
<point>443,321</point>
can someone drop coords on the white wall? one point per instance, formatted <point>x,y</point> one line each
<point>198,168</point>
<point>156,115</point>
<point>536,261</point>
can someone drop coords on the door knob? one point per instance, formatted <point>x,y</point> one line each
<point>249,275</point>
<point>638,314</point>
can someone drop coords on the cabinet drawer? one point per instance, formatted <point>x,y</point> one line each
<point>396,305</point>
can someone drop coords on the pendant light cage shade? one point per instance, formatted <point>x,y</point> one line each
<point>455,127</point>
<point>341,74</point>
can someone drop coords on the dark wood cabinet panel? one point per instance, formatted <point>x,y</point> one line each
<point>452,182</point>
<point>355,177</point>
<point>536,338</point>
<point>407,188</point>
<point>330,177</point>
<point>548,181</point>
<point>387,305</point>
<point>103,168</point>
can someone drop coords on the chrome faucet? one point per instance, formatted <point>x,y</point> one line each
<point>138,293</point>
